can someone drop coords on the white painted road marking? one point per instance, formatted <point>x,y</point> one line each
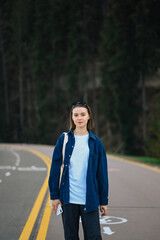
<point>17,163</point>
<point>111,220</point>
<point>107,230</point>
<point>7,168</point>
<point>14,153</point>
<point>7,174</point>
<point>31,169</point>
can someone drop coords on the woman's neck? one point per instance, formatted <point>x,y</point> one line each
<point>80,131</point>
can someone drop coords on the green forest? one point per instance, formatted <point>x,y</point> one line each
<point>105,52</point>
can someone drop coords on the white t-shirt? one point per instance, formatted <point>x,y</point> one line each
<point>78,170</point>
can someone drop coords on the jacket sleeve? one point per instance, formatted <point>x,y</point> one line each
<point>102,175</point>
<point>55,169</point>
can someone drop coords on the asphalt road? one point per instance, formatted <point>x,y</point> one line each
<point>134,198</point>
<point>21,177</point>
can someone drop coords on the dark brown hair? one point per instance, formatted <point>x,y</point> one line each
<point>90,123</point>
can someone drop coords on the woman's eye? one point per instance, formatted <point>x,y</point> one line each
<point>83,114</point>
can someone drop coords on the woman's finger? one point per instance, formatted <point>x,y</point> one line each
<point>103,209</point>
<point>55,209</point>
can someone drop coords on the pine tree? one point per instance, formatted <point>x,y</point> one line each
<point>146,19</point>
<point>120,71</point>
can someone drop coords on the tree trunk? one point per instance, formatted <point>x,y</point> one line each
<point>20,77</point>
<point>143,107</point>
<point>29,103</point>
<point>4,70</point>
<point>95,107</point>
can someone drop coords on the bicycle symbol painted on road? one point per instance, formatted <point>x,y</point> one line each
<point>111,220</point>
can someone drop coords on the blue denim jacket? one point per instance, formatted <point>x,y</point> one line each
<point>97,173</point>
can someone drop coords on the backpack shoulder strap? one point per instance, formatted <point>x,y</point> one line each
<point>64,146</point>
<point>63,155</point>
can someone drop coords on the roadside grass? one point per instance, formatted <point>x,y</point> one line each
<point>149,160</point>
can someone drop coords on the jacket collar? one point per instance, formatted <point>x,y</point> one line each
<point>91,135</point>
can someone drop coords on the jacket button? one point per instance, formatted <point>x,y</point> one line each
<point>69,155</point>
<point>84,209</point>
<point>66,165</point>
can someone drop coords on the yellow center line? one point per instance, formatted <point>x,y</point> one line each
<point>38,203</point>
<point>40,198</point>
<point>45,222</point>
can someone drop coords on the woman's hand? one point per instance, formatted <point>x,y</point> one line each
<point>55,204</point>
<point>103,209</point>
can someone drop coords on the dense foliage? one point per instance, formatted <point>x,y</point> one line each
<point>129,54</point>
<point>54,52</point>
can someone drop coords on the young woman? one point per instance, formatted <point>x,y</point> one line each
<point>84,183</point>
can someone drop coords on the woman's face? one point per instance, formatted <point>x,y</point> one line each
<point>80,117</point>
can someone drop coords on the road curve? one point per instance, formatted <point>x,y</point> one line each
<point>134,197</point>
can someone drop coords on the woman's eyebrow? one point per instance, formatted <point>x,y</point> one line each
<point>78,113</point>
